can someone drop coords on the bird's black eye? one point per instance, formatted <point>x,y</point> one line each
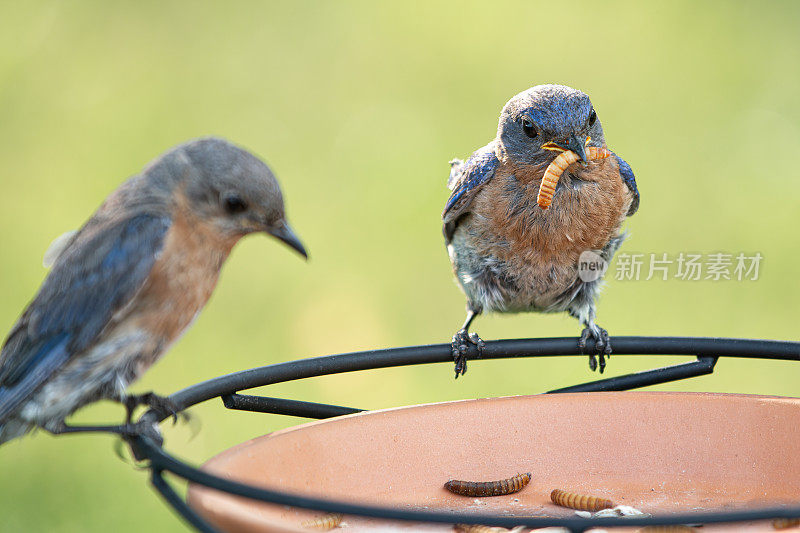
<point>529,129</point>
<point>592,118</point>
<point>234,204</point>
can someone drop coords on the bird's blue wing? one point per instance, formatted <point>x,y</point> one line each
<point>473,174</point>
<point>627,176</point>
<point>44,357</point>
<point>98,274</point>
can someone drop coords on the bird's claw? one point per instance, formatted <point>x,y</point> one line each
<point>161,404</point>
<point>460,346</point>
<point>602,346</point>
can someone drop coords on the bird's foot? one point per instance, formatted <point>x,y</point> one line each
<point>459,347</point>
<point>602,346</point>
<point>161,404</point>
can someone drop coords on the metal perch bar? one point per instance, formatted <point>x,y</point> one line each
<point>707,351</point>
<point>503,349</point>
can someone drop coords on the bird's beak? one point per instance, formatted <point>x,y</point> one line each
<point>573,143</point>
<point>577,145</point>
<point>287,235</point>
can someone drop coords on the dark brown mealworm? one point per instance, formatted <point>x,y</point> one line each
<point>489,488</point>
<point>785,523</point>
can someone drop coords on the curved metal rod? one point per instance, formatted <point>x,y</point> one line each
<point>440,353</point>
<point>373,359</point>
<point>160,460</point>
<point>178,503</point>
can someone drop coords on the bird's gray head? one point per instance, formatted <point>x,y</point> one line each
<point>232,190</point>
<point>546,119</point>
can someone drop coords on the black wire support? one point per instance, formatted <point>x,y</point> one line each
<point>706,350</point>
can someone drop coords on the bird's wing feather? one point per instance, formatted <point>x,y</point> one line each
<point>470,177</point>
<point>627,176</point>
<point>98,274</point>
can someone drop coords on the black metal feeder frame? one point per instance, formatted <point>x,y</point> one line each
<point>146,445</point>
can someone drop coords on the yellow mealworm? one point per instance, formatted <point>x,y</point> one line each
<point>579,501</point>
<point>329,521</point>
<point>553,172</point>
<point>489,488</point>
<point>471,528</point>
<point>785,523</point>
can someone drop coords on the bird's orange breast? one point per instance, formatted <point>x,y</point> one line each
<point>182,279</point>
<point>586,212</point>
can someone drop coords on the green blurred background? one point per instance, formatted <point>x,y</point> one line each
<point>358,106</point>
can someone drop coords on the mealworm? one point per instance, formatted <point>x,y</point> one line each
<point>666,529</point>
<point>489,488</point>
<point>473,528</point>
<point>785,523</point>
<point>329,521</point>
<point>579,501</point>
<point>558,166</point>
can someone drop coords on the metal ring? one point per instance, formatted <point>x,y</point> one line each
<point>707,350</point>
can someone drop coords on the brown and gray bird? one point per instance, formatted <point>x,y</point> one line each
<point>509,253</point>
<point>132,280</point>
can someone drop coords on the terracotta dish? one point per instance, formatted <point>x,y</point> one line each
<point>660,452</point>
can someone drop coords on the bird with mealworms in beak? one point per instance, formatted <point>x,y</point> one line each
<point>511,255</point>
<point>131,281</point>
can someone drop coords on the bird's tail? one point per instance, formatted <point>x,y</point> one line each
<point>11,429</point>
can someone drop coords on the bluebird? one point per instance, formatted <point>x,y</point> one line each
<point>131,281</point>
<point>508,254</point>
